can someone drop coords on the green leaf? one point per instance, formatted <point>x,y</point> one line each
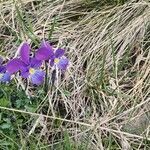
<point>52,28</point>
<point>67,142</point>
<point>30,109</point>
<point>5,143</point>
<point>67,93</point>
<point>5,126</point>
<point>4,102</point>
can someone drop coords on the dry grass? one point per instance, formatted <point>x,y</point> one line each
<point>108,83</point>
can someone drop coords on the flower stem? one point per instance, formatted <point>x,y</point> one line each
<point>46,78</point>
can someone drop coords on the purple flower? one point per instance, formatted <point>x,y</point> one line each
<point>4,75</point>
<point>45,52</point>
<point>29,67</point>
<point>59,60</point>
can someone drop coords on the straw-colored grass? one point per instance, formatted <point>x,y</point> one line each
<point>104,97</point>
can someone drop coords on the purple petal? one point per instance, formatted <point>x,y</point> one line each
<point>44,53</point>
<point>2,69</point>
<point>25,73</point>
<point>46,44</point>
<point>25,52</point>
<point>5,77</point>
<point>34,63</point>
<point>52,62</point>
<point>38,77</point>
<point>59,53</point>
<point>15,65</point>
<point>63,63</point>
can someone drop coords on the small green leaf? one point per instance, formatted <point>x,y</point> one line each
<point>67,93</point>
<point>5,143</point>
<point>5,126</point>
<point>4,102</point>
<point>30,109</point>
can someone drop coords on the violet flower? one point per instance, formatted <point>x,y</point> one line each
<point>29,67</point>
<point>4,75</point>
<point>59,60</point>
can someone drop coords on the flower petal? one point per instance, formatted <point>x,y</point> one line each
<point>25,73</point>
<point>59,52</point>
<point>15,65</point>
<point>63,63</point>
<point>2,69</point>
<point>46,44</point>
<point>5,77</point>
<point>52,62</point>
<point>25,52</point>
<point>44,53</point>
<point>34,63</point>
<point>38,77</point>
